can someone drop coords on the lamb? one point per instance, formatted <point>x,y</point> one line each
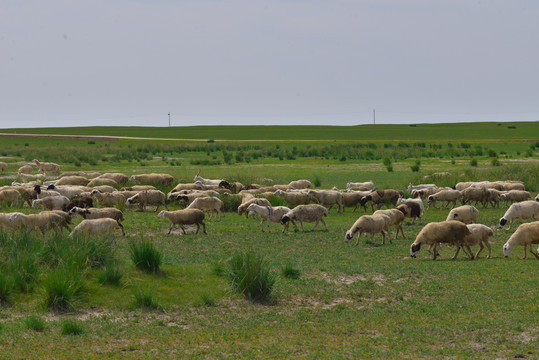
<point>411,210</point>
<point>515,196</point>
<point>243,206</point>
<point>526,234</point>
<point>9,196</point>
<point>25,169</point>
<point>466,214</point>
<point>372,224</point>
<point>269,214</point>
<point>328,198</point>
<point>293,198</point>
<point>3,166</point>
<point>306,213</point>
<point>211,204</point>
<point>184,217</point>
<point>103,181</point>
<point>396,217</point>
<point>300,184</point>
<point>96,227</point>
<point>382,197</point>
<point>523,210</point>
<point>51,202</point>
<point>479,235</point>
<point>72,180</point>
<point>44,167</point>
<point>108,199</point>
<point>445,195</point>
<point>435,233</point>
<point>118,177</point>
<point>160,179</point>
<point>42,221</point>
<point>83,202</point>
<point>148,197</point>
<point>361,186</point>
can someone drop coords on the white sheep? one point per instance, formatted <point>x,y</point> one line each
<point>72,180</point>
<point>3,166</point>
<point>98,213</point>
<point>435,233</point>
<point>211,204</point>
<point>293,198</point>
<point>216,182</point>
<point>526,234</point>
<point>184,217</point>
<point>449,196</point>
<point>479,235</point>
<point>40,194</point>
<point>108,199</point>
<point>160,179</point>
<point>523,210</point>
<point>300,184</point>
<point>7,224</point>
<point>245,204</point>
<point>466,214</point>
<point>396,217</point>
<point>371,224</point>
<point>42,221</point>
<point>515,196</point>
<point>44,167</point>
<point>148,197</point>
<point>362,186</point>
<point>67,190</point>
<point>118,177</point>
<point>328,198</point>
<point>420,187</point>
<point>96,227</point>
<point>269,214</point>
<point>306,213</point>
<point>51,202</point>
<point>9,196</point>
<point>25,169</point>
<point>103,181</point>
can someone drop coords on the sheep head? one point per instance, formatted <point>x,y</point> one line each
<point>161,214</point>
<point>414,249</point>
<point>506,249</point>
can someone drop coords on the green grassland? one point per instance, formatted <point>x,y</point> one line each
<point>369,301</point>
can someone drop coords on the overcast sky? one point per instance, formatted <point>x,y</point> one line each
<point>120,62</point>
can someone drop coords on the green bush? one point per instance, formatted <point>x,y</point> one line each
<point>473,162</point>
<point>250,276</point>
<point>62,288</point>
<point>145,256</point>
<point>34,323</point>
<point>72,327</point>
<point>389,168</point>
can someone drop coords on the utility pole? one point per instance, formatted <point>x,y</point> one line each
<point>373,116</point>
<point>169,119</point>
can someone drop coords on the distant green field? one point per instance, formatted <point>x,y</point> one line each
<point>424,132</point>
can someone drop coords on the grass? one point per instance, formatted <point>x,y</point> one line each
<point>71,327</point>
<point>144,299</point>
<point>145,256</point>
<point>35,323</point>
<point>250,276</point>
<point>62,288</point>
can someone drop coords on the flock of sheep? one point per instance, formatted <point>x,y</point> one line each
<point>76,194</point>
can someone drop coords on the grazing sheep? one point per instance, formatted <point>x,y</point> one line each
<point>148,179</point>
<point>293,198</point>
<point>269,214</point>
<point>371,224</point>
<point>215,182</point>
<point>306,213</point>
<point>382,197</point>
<point>463,185</point>
<point>479,195</point>
<point>67,190</point>
<point>436,233</point>
<point>108,199</point>
<point>103,188</point>
<point>102,213</point>
<point>44,167</point>
<point>72,180</point>
<point>190,197</point>
<point>523,210</point>
<point>300,184</point>
<point>83,202</point>
<point>449,196</point>
<point>25,169</point>
<point>513,185</point>
<point>411,210</point>
<point>27,194</point>
<point>466,214</point>
<point>420,187</point>
<point>40,194</point>
<point>51,202</point>
<point>96,227</point>
<point>244,205</point>
<point>9,196</point>
<point>103,181</point>
<point>184,217</point>
<point>479,235</point>
<point>515,196</point>
<point>418,201</point>
<point>526,234</point>
<point>3,166</point>
<point>425,193</point>
<point>396,217</point>
<point>211,204</point>
<point>148,197</point>
<point>181,187</point>
<point>236,187</point>
<point>7,224</point>
<point>328,198</point>
<point>138,188</point>
<point>353,198</point>
<point>361,186</point>
<point>118,177</point>
<point>493,197</point>
<point>42,221</point>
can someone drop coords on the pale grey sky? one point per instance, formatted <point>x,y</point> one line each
<point>121,62</point>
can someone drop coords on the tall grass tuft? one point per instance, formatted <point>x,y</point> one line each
<point>6,288</point>
<point>34,323</point>
<point>72,327</point>
<point>62,288</point>
<point>250,276</point>
<point>291,272</point>
<point>111,274</point>
<point>230,202</point>
<point>145,256</point>
<point>145,300</point>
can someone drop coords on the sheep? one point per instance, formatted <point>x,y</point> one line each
<point>93,213</point>
<point>479,195</point>
<point>410,210</point>
<point>189,198</point>
<point>96,227</point>
<point>515,196</point>
<point>418,201</point>
<point>493,197</point>
<point>72,180</point>
<point>9,196</point>
<point>269,214</point>
<point>42,221</point>
<point>396,217</point>
<point>523,210</point>
<point>372,224</point>
<point>236,187</point>
<point>353,198</point>
<point>513,185</point>
<point>51,202</point>
<point>466,214</point>
<point>382,197</point>
<point>184,217</point>
<point>463,185</point>
<point>420,187</point>
<point>526,234</point>
<point>300,184</point>
<point>445,195</point>
<point>361,186</point>
<point>103,188</point>
<point>426,192</point>
<point>83,202</point>
<point>211,204</point>
<point>138,188</point>
<point>118,177</point>
<point>216,182</point>
<point>435,233</point>
<point>181,187</point>
<point>103,181</point>
<point>293,198</point>
<point>160,179</point>
<point>6,224</point>
<point>40,194</point>
<point>3,166</point>
<point>328,198</point>
<point>27,194</point>
<point>44,167</point>
<point>148,197</point>
<point>306,213</point>
<point>108,199</point>
<point>244,205</point>
<point>68,191</point>
<point>25,169</point>
<point>479,235</point>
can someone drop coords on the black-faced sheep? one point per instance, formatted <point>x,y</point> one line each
<point>435,233</point>
<point>523,210</point>
<point>411,210</point>
<point>306,213</point>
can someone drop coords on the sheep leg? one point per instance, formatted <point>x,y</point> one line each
<point>181,226</point>
<point>525,246</point>
<point>323,222</point>
<point>198,228</point>
<point>262,225</point>
<point>358,236</point>
<point>315,225</point>
<point>301,223</point>
<point>121,227</point>
<point>456,253</point>
<point>534,254</point>
<point>169,230</point>
<point>481,246</point>
<point>402,231</point>
<point>468,251</point>
<point>269,230</point>
<point>211,214</point>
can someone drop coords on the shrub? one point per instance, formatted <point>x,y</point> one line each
<point>62,288</point>
<point>250,276</point>
<point>290,272</point>
<point>387,161</point>
<point>389,168</point>
<point>230,202</point>
<point>473,162</point>
<point>415,168</point>
<point>34,323</point>
<point>495,162</point>
<point>145,256</point>
<point>72,327</point>
<point>144,300</point>
<point>6,287</point>
<point>317,182</point>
